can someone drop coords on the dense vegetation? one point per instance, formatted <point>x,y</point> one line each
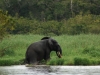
<point>19,18</point>
<point>6,24</point>
<point>50,9</point>
<point>77,49</point>
<point>50,17</point>
<point>80,24</point>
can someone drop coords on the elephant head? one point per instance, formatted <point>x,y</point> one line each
<point>54,46</point>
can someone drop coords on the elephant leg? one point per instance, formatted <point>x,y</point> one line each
<point>47,58</point>
<point>33,59</point>
<point>34,62</point>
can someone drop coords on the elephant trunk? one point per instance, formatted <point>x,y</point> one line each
<point>59,52</point>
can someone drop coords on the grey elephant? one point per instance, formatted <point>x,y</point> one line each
<point>40,50</point>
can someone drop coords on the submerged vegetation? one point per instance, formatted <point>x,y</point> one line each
<point>77,49</point>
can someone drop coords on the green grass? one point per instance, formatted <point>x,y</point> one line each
<point>77,49</point>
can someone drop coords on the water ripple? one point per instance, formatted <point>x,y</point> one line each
<point>50,70</point>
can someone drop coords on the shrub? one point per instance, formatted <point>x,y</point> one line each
<point>56,62</point>
<point>51,62</point>
<point>5,62</point>
<point>6,24</point>
<point>53,27</point>
<point>82,24</point>
<point>24,26</point>
<point>60,62</point>
<point>81,61</point>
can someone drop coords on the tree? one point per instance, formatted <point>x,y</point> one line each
<point>6,24</point>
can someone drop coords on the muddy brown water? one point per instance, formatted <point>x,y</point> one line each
<point>49,70</point>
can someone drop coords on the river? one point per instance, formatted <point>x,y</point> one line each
<point>49,70</point>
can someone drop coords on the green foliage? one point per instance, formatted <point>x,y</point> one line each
<point>51,17</point>
<point>51,62</point>
<point>25,26</point>
<point>50,9</point>
<point>10,61</point>
<point>82,24</point>
<point>56,62</point>
<point>94,52</point>
<point>6,51</point>
<point>60,62</point>
<point>6,62</point>
<point>76,49</point>
<point>81,61</point>
<point>51,27</point>
<point>6,24</point>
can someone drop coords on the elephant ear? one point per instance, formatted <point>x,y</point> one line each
<point>52,44</point>
<point>46,37</point>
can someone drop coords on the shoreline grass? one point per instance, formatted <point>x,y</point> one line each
<point>77,49</point>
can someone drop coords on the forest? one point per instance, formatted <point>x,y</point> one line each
<point>49,17</point>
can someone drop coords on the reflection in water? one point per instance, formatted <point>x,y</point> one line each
<point>50,70</point>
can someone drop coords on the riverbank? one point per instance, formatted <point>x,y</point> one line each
<point>77,49</point>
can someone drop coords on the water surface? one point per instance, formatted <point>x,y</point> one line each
<point>50,70</point>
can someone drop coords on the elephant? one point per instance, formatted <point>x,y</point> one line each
<point>41,50</point>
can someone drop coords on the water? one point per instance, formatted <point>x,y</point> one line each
<point>50,70</point>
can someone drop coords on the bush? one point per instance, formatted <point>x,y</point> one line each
<point>6,62</point>
<point>6,24</point>
<point>81,61</point>
<point>51,62</point>
<point>80,24</point>
<point>24,26</point>
<point>51,27</point>
<point>56,62</point>
<point>60,62</point>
